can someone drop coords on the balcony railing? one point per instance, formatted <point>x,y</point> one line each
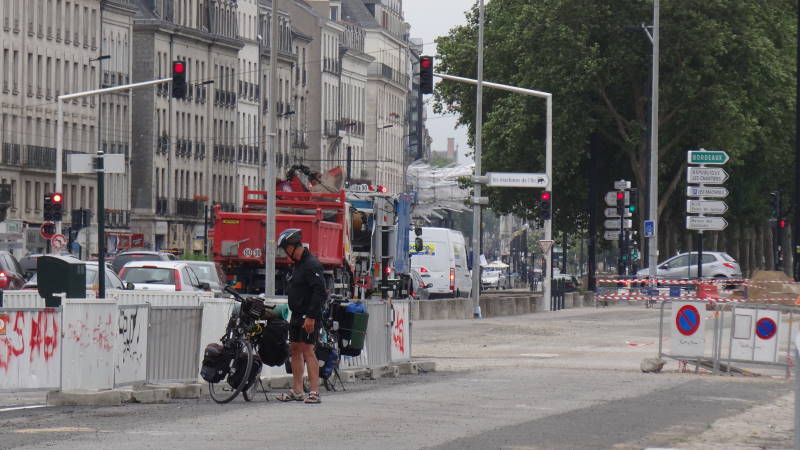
<point>39,157</point>
<point>331,129</point>
<point>188,208</point>
<point>387,73</point>
<point>299,139</point>
<point>11,154</point>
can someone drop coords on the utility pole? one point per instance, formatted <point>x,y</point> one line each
<point>652,247</point>
<point>796,224</point>
<point>476,208</point>
<point>269,182</point>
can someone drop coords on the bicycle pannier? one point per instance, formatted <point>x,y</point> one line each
<point>327,357</point>
<point>239,367</point>
<point>216,363</point>
<point>272,347</point>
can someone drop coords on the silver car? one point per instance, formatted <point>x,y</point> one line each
<point>684,265</point>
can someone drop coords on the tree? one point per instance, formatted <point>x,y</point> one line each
<point>727,82</point>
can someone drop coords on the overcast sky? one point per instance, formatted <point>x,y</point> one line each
<point>430,19</point>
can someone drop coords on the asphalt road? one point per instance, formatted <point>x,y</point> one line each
<point>551,380</point>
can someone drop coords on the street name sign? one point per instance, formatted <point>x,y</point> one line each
<point>613,224</point>
<point>611,235</point>
<point>707,157</point>
<point>85,163</point>
<point>706,175</point>
<point>706,223</point>
<point>621,185</point>
<point>706,191</point>
<point>612,212</point>
<point>706,206</point>
<point>511,179</point>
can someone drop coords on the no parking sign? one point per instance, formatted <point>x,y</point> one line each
<point>755,334</point>
<point>688,329</point>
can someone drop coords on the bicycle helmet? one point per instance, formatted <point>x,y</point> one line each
<point>290,236</point>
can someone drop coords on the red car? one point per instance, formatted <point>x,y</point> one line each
<point>11,274</point>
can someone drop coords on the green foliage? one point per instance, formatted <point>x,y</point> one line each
<point>727,81</point>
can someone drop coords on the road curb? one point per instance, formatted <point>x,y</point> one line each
<point>84,398</point>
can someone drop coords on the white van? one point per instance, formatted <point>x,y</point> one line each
<point>442,261</point>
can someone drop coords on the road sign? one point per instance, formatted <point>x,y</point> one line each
<point>706,191</point>
<point>85,163</point>
<point>511,179</point>
<point>706,223</point>
<point>613,224</point>
<point>649,228</point>
<point>707,157</point>
<point>611,198</point>
<point>545,245</point>
<point>612,212</point>
<point>766,328</point>
<point>706,175</point>
<point>58,242</point>
<point>45,230</point>
<point>706,206</point>
<point>688,329</point>
<point>611,235</point>
<point>621,185</point>
<point>687,320</point>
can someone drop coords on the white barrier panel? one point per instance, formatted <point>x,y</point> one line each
<point>755,334</point>
<point>22,299</point>
<point>90,331</point>
<point>30,349</point>
<point>401,331</point>
<point>216,313</point>
<point>161,298</point>
<point>688,329</point>
<point>131,350</point>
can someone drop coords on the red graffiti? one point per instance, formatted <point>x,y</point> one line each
<point>398,336</point>
<point>12,344</point>
<point>102,334</point>
<point>44,335</point>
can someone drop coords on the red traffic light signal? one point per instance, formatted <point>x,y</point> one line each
<point>782,223</point>
<point>545,196</point>
<point>620,195</point>
<point>57,198</point>
<point>178,79</point>
<point>426,74</point>
<point>178,67</point>
<point>547,205</point>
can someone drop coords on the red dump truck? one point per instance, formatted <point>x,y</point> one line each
<point>239,238</point>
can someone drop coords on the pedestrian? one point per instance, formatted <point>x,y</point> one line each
<point>307,295</point>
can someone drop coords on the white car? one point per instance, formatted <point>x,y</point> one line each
<point>684,265</point>
<point>161,276</point>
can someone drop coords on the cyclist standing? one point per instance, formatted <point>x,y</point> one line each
<point>307,295</point>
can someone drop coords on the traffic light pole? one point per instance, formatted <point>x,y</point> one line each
<point>548,223</point>
<point>60,126</point>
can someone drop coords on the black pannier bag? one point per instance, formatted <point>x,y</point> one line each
<point>239,367</point>
<point>272,347</point>
<point>216,363</point>
<point>328,360</point>
<point>253,307</point>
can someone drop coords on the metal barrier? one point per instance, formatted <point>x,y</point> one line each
<point>131,351</point>
<point>21,299</point>
<point>173,344</point>
<point>30,349</point>
<point>165,298</point>
<point>558,288</point>
<point>400,330</point>
<point>752,337</point>
<point>89,329</point>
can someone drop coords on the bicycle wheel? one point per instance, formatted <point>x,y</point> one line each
<point>223,392</point>
<point>249,392</point>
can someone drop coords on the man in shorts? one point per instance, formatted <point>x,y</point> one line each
<point>307,295</point>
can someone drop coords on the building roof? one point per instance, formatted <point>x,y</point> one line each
<point>355,11</point>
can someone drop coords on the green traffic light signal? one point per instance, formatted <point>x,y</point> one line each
<point>632,208</point>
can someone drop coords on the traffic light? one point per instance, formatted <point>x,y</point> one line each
<point>178,79</point>
<point>633,200</point>
<point>775,204</point>
<point>426,74</point>
<point>57,200</point>
<point>781,223</point>
<point>48,207</point>
<point>547,205</point>
<point>621,203</point>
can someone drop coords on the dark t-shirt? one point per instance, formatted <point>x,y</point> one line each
<point>307,291</point>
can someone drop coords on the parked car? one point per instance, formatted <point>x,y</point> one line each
<point>11,275</point>
<point>92,280</point>
<point>493,279</point>
<point>209,272</point>
<point>29,263</point>
<point>569,282</point>
<point>419,287</point>
<point>139,255</point>
<point>162,276</point>
<point>442,261</point>
<point>684,265</point>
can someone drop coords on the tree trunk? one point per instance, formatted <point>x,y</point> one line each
<point>758,242</point>
<point>745,255</point>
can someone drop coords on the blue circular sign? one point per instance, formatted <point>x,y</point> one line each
<point>766,328</point>
<point>687,320</point>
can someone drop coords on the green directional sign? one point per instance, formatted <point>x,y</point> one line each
<point>707,157</point>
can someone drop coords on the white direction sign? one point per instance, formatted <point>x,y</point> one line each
<point>706,191</point>
<point>511,179</point>
<point>706,223</point>
<point>613,224</point>
<point>612,212</point>
<point>707,157</point>
<point>621,185</point>
<point>706,175</point>
<point>706,206</point>
<point>611,235</point>
<point>611,198</point>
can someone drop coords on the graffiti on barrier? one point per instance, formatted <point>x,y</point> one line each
<point>129,335</point>
<point>31,332</point>
<point>99,332</point>
<point>399,331</point>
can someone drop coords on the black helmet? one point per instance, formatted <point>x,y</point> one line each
<point>290,236</point>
